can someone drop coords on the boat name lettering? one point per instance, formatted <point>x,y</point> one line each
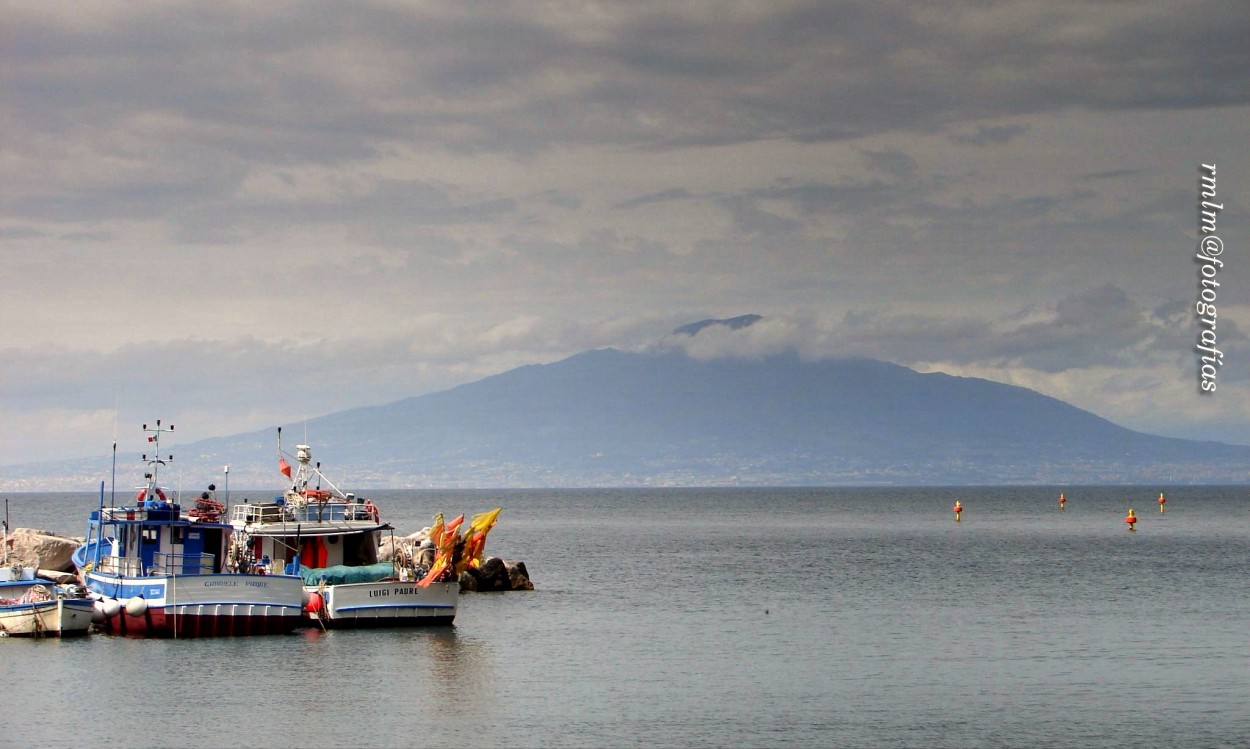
<point>257,584</point>
<point>405,591</point>
<point>379,593</point>
<point>220,584</point>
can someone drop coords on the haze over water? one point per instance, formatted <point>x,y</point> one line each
<point>725,617</point>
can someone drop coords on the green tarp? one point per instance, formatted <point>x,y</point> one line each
<point>341,573</point>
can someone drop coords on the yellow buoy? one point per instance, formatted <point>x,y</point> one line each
<point>959,509</point>
<point>1062,501</point>
<point>1161,501</point>
<point>1131,519</point>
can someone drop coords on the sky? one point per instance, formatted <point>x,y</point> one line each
<point>236,215</point>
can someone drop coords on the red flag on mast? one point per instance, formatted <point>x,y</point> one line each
<point>285,467</point>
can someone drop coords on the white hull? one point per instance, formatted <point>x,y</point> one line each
<point>64,617</point>
<point>386,604</point>
<point>200,605</point>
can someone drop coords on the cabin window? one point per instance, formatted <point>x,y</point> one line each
<point>175,535</point>
<point>151,535</point>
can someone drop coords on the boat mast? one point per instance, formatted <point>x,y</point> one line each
<point>154,436</point>
<point>134,535</point>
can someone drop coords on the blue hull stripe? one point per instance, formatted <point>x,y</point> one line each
<point>395,607</point>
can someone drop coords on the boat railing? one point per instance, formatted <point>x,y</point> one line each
<point>317,512</point>
<point>125,566</point>
<point>169,512</point>
<point>312,512</point>
<point>182,564</point>
<point>248,513</point>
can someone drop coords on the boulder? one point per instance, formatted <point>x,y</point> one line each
<point>404,544</point>
<point>493,575</point>
<point>519,576</point>
<point>47,551</point>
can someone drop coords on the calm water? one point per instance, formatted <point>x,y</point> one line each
<point>723,618</point>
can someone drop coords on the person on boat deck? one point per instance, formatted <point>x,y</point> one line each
<point>264,566</point>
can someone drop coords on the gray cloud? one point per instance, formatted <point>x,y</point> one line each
<point>988,135</point>
<point>361,203</point>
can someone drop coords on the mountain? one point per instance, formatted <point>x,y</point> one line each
<point>612,418</point>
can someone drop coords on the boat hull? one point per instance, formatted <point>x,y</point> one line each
<point>202,621</point>
<point>65,617</point>
<point>385,604</point>
<point>199,605</point>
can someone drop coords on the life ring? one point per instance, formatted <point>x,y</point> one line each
<point>320,495</point>
<point>144,492</point>
<point>372,509</point>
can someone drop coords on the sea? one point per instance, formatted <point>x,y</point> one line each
<point>722,617</point>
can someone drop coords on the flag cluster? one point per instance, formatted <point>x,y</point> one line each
<point>457,551</point>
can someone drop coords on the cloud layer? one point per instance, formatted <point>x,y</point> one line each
<point>239,214</point>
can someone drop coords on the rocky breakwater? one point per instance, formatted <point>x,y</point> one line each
<point>492,574</point>
<point>50,554</point>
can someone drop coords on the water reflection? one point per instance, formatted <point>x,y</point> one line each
<point>426,670</point>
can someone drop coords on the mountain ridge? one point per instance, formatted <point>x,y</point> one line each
<point>607,417</point>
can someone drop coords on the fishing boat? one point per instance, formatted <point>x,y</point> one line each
<point>157,572</point>
<point>331,540</point>
<point>33,607</point>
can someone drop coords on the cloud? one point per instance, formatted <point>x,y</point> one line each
<point>364,203</point>
<point>991,135</point>
<point>1098,327</point>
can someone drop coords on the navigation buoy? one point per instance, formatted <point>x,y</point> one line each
<point>1131,519</point>
<point>959,510</point>
<point>1161,501</point>
<point>1063,502</point>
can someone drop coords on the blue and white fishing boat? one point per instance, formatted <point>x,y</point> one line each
<point>157,572</point>
<point>331,539</point>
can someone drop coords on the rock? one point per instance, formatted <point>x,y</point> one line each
<point>47,551</point>
<point>496,575</point>
<point>519,576</point>
<point>57,576</point>
<point>493,575</point>
<point>405,544</point>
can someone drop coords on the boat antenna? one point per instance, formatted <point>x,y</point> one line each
<point>113,480</point>
<point>98,525</point>
<point>226,484</point>
<point>154,436</point>
<point>6,531</point>
<point>113,496</point>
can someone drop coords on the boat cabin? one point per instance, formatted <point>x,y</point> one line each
<point>148,540</point>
